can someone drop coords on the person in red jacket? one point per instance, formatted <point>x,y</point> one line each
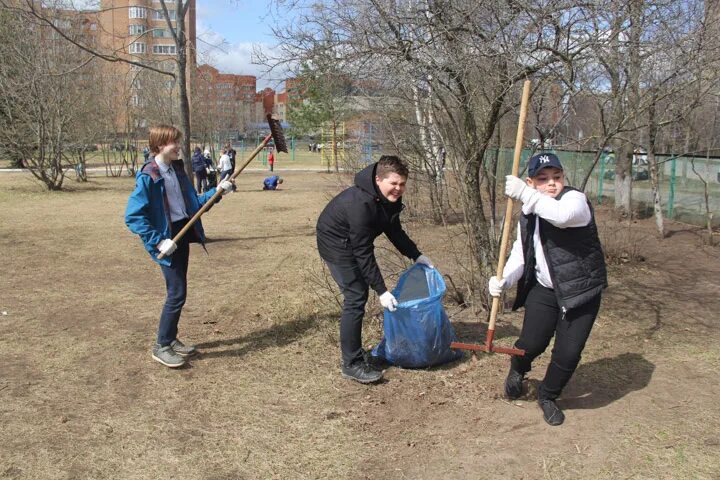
<point>271,158</point>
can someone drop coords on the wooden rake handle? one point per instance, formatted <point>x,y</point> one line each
<point>507,224</point>
<point>218,193</point>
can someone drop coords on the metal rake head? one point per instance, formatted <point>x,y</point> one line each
<point>277,134</point>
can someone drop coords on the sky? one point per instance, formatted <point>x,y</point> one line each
<point>235,26</point>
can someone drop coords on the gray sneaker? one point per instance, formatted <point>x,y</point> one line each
<point>181,349</point>
<point>167,356</point>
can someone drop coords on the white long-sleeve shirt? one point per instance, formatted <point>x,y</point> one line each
<point>571,211</point>
<point>224,163</point>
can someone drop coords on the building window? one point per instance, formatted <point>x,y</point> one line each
<point>62,24</point>
<point>164,49</point>
<point>158,15</point>
<point>137,29</point>
<point>138,12</point>
<point>161,33</point>
<point>136,101</point>
<point>137,47</point>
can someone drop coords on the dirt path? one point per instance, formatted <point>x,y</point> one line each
<point>81,398</point>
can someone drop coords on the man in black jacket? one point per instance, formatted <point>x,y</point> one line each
<point>346,231</point>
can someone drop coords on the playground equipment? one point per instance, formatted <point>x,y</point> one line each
<point>488,346</point>
<point>276,134</point>
<point>332,138</point>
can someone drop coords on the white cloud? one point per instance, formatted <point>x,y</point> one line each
<point>238,58</point>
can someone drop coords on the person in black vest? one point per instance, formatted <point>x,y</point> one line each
<point>346,231</point>
<point>559,266</point>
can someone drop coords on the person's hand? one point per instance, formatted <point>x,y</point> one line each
<point>225,186</point>
<point>496,286</point>
<point>388,300</point>
<point>516,189</point>
<point>425,261</point>
<point>167,247</point>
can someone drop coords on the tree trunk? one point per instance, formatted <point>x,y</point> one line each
<point>652,161</point>
<point>184,101</point>
<point>623,180</point>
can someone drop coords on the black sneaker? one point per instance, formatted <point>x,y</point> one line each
<point>361,372</point>
<point>551,412</point>
<point>376,363</point>
<point>513,384</point>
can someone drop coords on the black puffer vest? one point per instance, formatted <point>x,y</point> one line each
<point>574,257</point>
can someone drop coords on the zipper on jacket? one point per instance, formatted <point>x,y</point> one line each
<point>564,311</point>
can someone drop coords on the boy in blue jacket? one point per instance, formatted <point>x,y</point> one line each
<point>272,182</point>
<point>161,204</point>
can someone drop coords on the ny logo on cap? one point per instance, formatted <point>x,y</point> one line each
<point>544,159</point>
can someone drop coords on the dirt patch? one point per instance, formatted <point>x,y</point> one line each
<point>81,398</point>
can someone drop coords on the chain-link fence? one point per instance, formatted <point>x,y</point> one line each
<point>681,180</point>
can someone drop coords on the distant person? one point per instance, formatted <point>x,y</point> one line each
<point>146,153</point>
<point>199,166</point>
<point>224,165</point>
<point>271,158</point>
<point>558,264</point>
<point>226,168</point>
<point>160,206</point>
<point>346,232</point>
<point>232,154</point>
<point>272,182</point>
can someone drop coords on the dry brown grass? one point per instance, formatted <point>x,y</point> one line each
<point>81,398</point>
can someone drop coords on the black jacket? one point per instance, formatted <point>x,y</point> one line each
<point>350,223</point>
<point>199,163</point>
<point>574,256</point>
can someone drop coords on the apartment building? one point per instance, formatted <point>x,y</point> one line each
<point>224,100</point>
<point>137,30</point>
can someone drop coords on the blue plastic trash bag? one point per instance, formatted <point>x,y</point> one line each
<point>418,334</point>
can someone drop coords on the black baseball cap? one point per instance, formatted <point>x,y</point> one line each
<point>542,160</point>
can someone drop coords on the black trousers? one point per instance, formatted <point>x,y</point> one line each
<point>543,320</point>
<point>355,292</point>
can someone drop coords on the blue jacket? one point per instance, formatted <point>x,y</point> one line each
<point>271,183</point>
<point>147,213</point>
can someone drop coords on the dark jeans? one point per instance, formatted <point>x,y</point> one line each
<point>355,291</point>
<point>543,319</point>
<point>201,182</point>
<point>176,284</point>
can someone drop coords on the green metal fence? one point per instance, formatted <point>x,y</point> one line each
<point>681,190</point>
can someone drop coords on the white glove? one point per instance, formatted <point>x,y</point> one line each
<point>425,261</point>
<point>167,247</point>
<point>388,300</point>
<point>226,186</point>
<point>516,189</point>
<point>496,286</point>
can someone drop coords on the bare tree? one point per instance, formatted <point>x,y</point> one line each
<point>453,64</point>
<point>45,98</point>
<point>43,13</point>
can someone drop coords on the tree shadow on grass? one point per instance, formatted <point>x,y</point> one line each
<point>599,383</point>
<point>278,335</point>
